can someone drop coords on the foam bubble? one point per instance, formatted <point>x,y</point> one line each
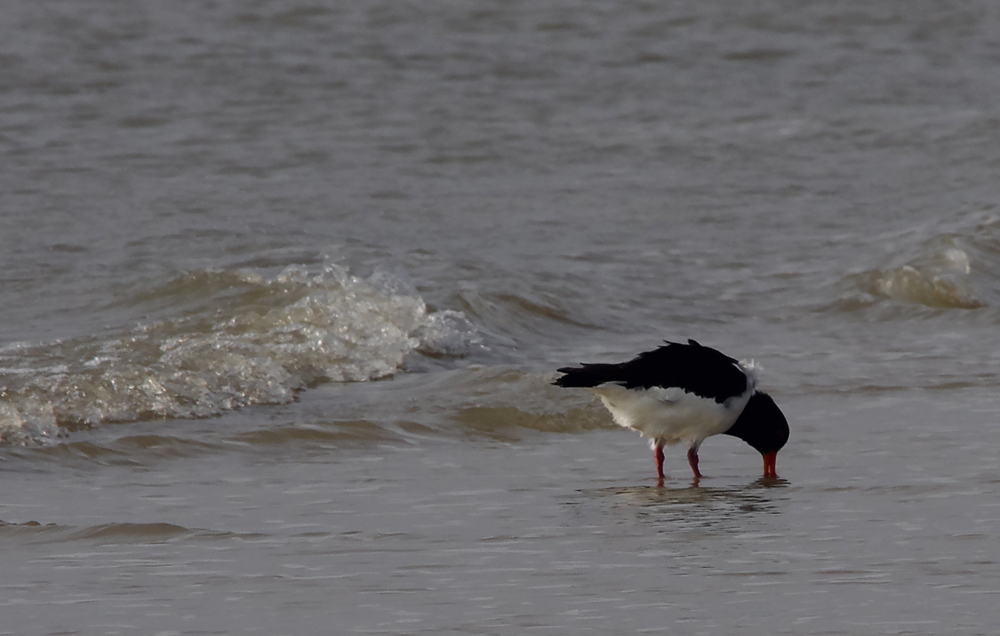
<point>27,423</point>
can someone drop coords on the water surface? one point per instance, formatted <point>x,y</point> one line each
<point>285,285</point>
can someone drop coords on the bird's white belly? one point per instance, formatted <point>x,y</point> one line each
<point>670,415</point>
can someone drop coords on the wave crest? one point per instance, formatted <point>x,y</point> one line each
<point>909,284</point>
<point>247,339</point>
<point>940,276</point>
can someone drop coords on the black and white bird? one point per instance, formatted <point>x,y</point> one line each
<point>685,393</point>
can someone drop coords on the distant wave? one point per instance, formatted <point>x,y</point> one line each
<point>945,271</point>
<point>246,339</point>
<point>911,285</point>
<point>111,533</point>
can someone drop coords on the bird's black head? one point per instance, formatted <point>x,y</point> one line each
<point>763,426</point>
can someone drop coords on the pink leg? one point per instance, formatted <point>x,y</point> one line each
<point>658,454</point>
<point>693,460</point>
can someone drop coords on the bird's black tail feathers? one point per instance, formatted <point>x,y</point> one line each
<point>588,375</point>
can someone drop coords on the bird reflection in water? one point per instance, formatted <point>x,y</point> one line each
<point>692,507</point>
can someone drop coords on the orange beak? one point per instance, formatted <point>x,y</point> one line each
<point>770,458</point>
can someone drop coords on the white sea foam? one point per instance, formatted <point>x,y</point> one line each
<point>255,340</point>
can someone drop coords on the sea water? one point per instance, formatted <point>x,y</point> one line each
<point>285,285</point>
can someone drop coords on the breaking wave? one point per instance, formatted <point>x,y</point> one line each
<point>946,271</point>
<point>912,285</point>
<point>249,339</point>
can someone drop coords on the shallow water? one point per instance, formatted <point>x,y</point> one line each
<point>285,286</point>
<point>891,532</point>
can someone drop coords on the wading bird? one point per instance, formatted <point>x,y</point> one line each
<point>685,393</point>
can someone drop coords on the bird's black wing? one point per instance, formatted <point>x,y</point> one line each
<point>700,370</point>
